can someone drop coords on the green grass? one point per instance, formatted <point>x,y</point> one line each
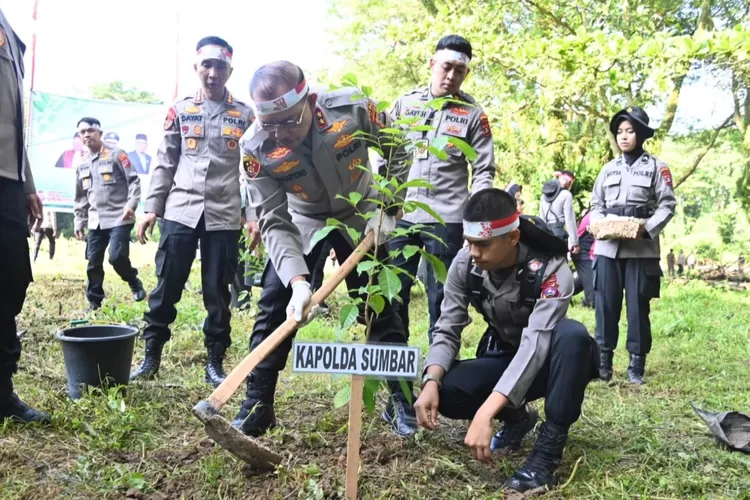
<point>629,443</point>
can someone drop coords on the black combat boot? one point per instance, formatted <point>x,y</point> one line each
<point>151,362</point>
<point>539,469</point>
<point>214,364</point>
<point>399,413</point>
<point>93,306</point>
<point>636,368</point>
<point>11,407</point>
<point>139,294</point>
<point>256,414</point>
<point>605,365</point>
<point>518,423</point>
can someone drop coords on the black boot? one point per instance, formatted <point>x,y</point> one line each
<point>636,369</point>
<point>11,407</point>
<point>151,362</point>
<point>539,469</point>
<point>139,294</point>
<point>605,365</point>
<point>514,430</point>
<point>399,413</point>
<point>93,306</point>
<point>256,414</point>
<point>214,364</point>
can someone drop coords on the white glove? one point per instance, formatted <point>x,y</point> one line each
<point>388,225</point>
<point>301,295</point>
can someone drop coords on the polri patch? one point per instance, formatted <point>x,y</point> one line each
<point>251,166</point>
<point>666,174</point>
<point>169,120</point>
<point>124,160</point>
<point>484,121</point>
<point>550,288</point>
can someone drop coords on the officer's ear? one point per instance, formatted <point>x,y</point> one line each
<point>432,63</point>
<point>514,236</point>
<point>231,70</point>
<point>312,99</point>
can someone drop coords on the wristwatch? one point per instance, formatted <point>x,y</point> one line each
<point>427,377</point>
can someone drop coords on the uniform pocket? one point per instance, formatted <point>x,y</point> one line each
<point>639,190</point>
<point>161,255</point>
<point>612,188</point>
<point>651,274</point>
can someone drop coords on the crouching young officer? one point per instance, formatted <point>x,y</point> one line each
<point>516,276</point>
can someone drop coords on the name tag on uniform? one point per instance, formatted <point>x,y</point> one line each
<point>420,150</point>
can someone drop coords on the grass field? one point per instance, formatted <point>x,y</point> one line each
<point>630,442</point>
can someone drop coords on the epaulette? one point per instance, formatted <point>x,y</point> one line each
<point>340,97</point>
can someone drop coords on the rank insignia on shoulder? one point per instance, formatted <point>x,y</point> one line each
<point>320,118</point>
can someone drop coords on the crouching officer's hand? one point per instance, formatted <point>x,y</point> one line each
<point>427,405</point>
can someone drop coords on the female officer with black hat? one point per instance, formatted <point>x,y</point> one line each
<point>637,184</point>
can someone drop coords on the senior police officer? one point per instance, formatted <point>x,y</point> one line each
<point>556,209</point>
<point>464,120</point>
<point>300,154</point>
<point>515,274</point>
<point>19,205</point>
<point>636,184</point>
<point>195,188</point>
<point>108,191</point>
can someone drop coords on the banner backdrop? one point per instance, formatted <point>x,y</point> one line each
<point>53,141</point>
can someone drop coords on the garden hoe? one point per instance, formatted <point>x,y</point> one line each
<point>207,411</point>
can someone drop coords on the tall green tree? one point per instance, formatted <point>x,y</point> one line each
<point>116,91</point>
<point>550,73</point>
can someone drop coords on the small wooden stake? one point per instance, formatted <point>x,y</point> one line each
<point>355,429</point>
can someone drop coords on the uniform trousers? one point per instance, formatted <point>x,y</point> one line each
<point>586,277</point>
<point>641,279</point>
<point>174,258</point>
<point>118,239</point>
<point>572,362</point>
<point>451,235</point>
<point>15,268</point>
<point>274,298</point>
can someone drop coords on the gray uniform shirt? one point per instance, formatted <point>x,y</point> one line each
<point>449,177</point>
<point>561,210</point>
<point>106,183</point>
<point>14,161</point>
<point>292,193</point>
<point>503,293</point>
<point>645,183</point>
<point>196,171</point>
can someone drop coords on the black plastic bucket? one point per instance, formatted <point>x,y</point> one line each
<point>97,355</point>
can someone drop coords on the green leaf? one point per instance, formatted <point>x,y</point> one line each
<point>438,268</point>
<point>366,265</point>
<point>421,128</point>
<point>465,148</point>
<point>409,250</point>
<point>349,79</point>
<point>354,235</point>
<point>389,283</point>
<point>343,397</point>
<point>367,90</point>
<point>407,390</point>
<point>439,153</point>
<point>320,234</point>
<point>348,316</point>
<point>414,183</point>
<point>370,393</point>
<point>391,131</point>
<point>382,106</point>
<point>427,208</point>
<point>355,198</point>
<point>377,302</point>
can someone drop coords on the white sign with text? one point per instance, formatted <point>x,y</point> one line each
<point>371,360</point>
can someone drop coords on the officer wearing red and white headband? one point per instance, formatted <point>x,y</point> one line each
<point>636,184</point>
<point>195,189</point>
<point>515,274</point>
<point>300,157</point>
<point>464,120</point>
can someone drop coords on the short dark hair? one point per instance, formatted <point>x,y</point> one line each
<point>214,40</point>
<point>89,120</point>
<point>455,42</point>
<point>141,137</point>
<point>489,204</point>
<point>269,77</point>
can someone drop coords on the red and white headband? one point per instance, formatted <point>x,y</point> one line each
<point>284,102</point>
<point>564,177</point>
<point>452,56</point>
<point>490,229</point>
<point>214,52</point>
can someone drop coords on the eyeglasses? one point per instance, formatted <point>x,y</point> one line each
<point>285,124</point>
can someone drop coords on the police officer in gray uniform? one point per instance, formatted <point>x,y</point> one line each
<point>108,191</point>
<point>450,177</point>
<point>556,209</point>
<point>515,274</point>
<point>195,188</point>
<point>300,154</point>
<point>19,206</point>
<point>636,184</point>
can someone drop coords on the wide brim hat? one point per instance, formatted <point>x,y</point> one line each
<point>637,117</point>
